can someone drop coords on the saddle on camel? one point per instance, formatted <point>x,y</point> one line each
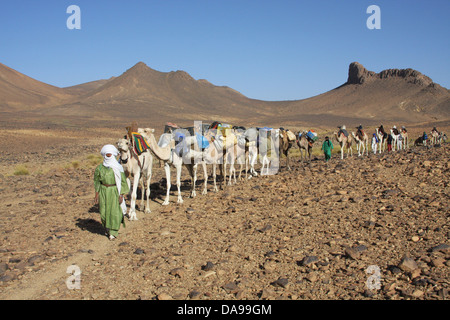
<point>138,142</point>
<point>360,133</point>
<point>343,130</point>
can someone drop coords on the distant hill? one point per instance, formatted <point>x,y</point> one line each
<point>18,91</point>
<point>152,97</point>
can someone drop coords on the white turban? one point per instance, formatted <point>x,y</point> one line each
<point>111,162</point>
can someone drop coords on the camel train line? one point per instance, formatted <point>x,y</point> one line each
<point>222,146</point>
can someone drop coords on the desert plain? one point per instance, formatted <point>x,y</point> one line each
<point>370,227</point>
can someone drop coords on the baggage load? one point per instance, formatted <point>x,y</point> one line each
<point>312,135</point>
<point>202,141</point>
<point>290,135</point>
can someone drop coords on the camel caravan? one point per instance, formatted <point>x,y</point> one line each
<point>223,146</point>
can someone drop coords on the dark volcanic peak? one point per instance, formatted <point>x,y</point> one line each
<point>357,74</point>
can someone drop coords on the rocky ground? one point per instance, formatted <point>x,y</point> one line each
<point>373,227</point>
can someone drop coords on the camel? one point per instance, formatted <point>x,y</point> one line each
<point>435,136</point>
<point>225,144</point>
<point>268,139</point>
<point>361,140</point>
<point>250,136</point>
<point>165,151</point>
<point>304,144</point>
<point>246,152</point>
<point>286,142</point>
<point>405,137</point>
<point>396,139</point>
<point>344,142</point>
<point>382,136</point>
<point>140,168</point>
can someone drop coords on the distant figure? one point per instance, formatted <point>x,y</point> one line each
<point>424,138</point>
<point>389,142</point>
<point>374,143</point>
<point>327,146</point>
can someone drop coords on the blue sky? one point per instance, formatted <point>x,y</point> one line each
<point>268,50</point>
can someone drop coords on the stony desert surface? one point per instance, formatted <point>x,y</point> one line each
<point>373,227</point>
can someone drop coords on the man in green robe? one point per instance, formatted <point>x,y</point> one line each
<point>110,185</point>
<point>327,146</point>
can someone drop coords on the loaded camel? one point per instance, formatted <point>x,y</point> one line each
<point>382,136</point>
<point>362,141</point>
<point>304,144</point>
<point>345,141</point>
<point>396,139</point>
<point>405,137</point>
<point>286,142</point>
<point>165,151</point>
<point>436,136</point>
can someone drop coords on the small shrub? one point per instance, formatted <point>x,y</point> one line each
<point>75,164</point>
<point>94,159</point>
<point>21,170</point>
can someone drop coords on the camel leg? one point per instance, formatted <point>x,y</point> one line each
<point>253,159</point>
<point>246,165</point>
<point>193,173</point>
<point>180,198</point>
<point>147,206</point>
<point>205,174</point>
<point>141,185</point>
<point>214,177</point>
<point>167,170</point>
<point>287,161</point>
<point>136,182</point>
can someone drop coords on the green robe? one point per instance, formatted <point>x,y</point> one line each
<point>327,146</point>
<point>108,198</point>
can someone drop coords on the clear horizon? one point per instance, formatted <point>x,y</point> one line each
<point>266,50</point>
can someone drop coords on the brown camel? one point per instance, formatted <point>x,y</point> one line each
<point>304,144</point>
<point>287,139</point>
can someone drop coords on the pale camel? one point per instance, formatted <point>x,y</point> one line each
<point>226,144</point>
<point>244,154</point>
<point>166,152</point>
<point>344,142</point>
<point>435,136</point>
<point>268,140</point>
<point>362,141</point>
<point>140,168</point>
<point>405,137</point>
<point>396,143</point>
<point>251,137</point>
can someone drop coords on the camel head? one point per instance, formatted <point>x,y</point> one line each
<point>146,132</point>
<point>123,145</point>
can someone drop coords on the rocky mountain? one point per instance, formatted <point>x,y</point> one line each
<point>393,95</point>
